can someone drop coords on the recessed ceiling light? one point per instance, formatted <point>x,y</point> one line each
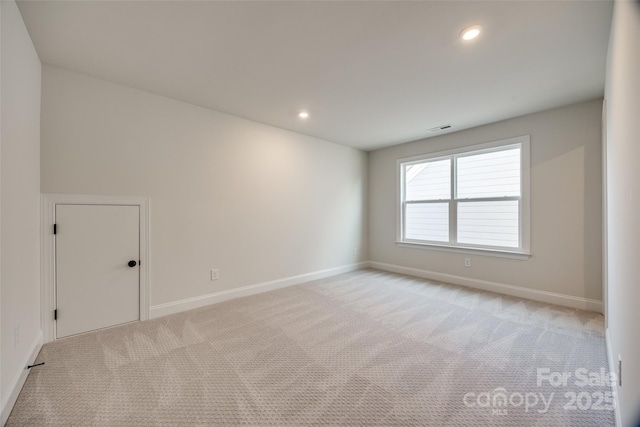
<point>471,32</point>
<point>303,114</point>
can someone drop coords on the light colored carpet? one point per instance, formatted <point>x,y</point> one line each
<point>363,348</point>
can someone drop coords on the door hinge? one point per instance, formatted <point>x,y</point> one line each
<point>55,228</point>
<point>55,314</point>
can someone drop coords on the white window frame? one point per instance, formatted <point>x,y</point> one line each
<point>524,226</point>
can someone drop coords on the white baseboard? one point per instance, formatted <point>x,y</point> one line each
<point>203,300</point>
<point>613,368</point>
<point>19,378</point>
<point>501,288</point>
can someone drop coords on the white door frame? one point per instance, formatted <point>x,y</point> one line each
<point>48,251</point>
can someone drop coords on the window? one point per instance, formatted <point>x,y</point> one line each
<point>472,198</point>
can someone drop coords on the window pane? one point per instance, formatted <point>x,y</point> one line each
<point>428,181</point>
<point>489,223</point>
<point>495,174</point>
<point>427,221</point>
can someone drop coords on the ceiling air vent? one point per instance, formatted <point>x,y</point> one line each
<point>440,128</point>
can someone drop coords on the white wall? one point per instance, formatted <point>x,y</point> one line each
<point>20,202</point>
<point>566,200</point>
<point>257,202</point>
<point>623,204</point>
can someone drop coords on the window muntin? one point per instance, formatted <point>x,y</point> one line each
<point>473,198</point>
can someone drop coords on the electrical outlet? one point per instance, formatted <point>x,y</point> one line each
<point>467,262</point>
<point>16,337</point>
<point>215,274</point>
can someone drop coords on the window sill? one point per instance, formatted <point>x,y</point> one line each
<point>464,250</point>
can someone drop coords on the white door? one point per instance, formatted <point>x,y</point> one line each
<point>97,282</point>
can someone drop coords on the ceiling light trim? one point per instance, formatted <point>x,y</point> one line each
<point>471,32</point>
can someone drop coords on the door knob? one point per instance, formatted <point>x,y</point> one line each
<point>132,263</point>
